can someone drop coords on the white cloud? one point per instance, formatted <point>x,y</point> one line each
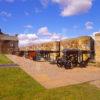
<point>89,25</point>
<point>32,36</point>
<point>30,39</point>
<point>40,40</point>
<point>28,26</point>
<point>27,39</point>
<point>22,37</point>
<point>56,37</point>
<point>94,33</point>
<point>73,7</point>
<point>43,31</point>
<point>93,36</point>
<point>5,14</point>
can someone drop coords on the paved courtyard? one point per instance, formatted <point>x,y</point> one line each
<point>50,76</point>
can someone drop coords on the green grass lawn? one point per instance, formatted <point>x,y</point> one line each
<point>4,59</point>
<point>15,84</point>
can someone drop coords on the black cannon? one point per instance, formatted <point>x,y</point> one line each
<point>74,57</point>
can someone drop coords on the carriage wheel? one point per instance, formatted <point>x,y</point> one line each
<point>59,63</point>
<point>67,65</point>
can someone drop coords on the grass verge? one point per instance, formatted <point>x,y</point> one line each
<point>15,84</point>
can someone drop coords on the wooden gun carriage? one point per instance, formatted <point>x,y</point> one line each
<point>75,57</point>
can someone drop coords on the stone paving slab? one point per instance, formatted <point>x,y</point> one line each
<point>50,76</point>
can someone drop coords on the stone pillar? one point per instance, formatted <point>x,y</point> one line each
<point>97,47</point>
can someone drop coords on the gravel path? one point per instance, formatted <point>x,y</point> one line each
<point>50,76</point>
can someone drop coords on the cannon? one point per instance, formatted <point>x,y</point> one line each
<point>74,57</point>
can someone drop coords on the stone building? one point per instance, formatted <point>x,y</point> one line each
<point>8,44</point>
<point>97,46</point>
<point>50,49</point>
<point>54,48</point>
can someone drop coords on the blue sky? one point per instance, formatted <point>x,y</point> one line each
<point>49,18</point>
